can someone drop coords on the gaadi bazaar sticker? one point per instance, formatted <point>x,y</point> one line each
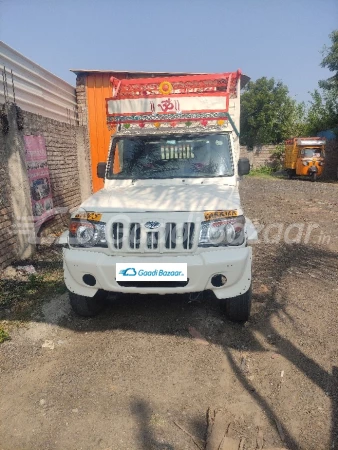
<point>212,215</point>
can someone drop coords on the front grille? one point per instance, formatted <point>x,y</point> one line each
<point>152,240</point>
<point>117,235</point>
<point>188,235</point>
<point>171,237</point>
<point>134,236</point>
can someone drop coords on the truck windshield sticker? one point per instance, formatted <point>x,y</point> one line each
<point>177,152</point>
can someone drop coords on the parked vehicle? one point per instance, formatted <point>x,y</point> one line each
<point>305,157</point>
<point>169,218</point>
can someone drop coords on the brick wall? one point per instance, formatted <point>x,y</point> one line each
<point>81,100</point>
<point>62,160</point>
<point>259,156</point>
<point>7,240</point>
<point>83,137</point>
<point>63,163</point>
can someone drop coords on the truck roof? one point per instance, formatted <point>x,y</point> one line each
<point>145,74</point>
<point>306,141</point>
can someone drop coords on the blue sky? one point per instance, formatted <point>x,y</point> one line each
<point>271,38</point>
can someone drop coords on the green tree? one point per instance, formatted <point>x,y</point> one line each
<point>330,61</point>
<point>268,114</point>
<point>297,125</point>
<point>323,109</point>
<point>322,113</point>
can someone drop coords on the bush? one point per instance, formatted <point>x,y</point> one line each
<point>278,156</point>
<point>4,336</point>
<point>263,170</point>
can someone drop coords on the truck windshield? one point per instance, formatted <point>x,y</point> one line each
<point>171,156</point>
<point>311,152</point>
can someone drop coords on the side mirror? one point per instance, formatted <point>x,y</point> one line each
<point>243,166</point>
<point>101,170</point>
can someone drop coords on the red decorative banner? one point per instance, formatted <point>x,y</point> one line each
<point>182,99</point>
<point>39,181</point>
<point>179,85</point>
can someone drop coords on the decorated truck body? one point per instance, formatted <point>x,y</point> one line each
<point>169,218</point>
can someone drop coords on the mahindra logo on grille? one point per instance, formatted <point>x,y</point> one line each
<point>152,224</point>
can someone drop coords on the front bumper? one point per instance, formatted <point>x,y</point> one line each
<point>234,263</point>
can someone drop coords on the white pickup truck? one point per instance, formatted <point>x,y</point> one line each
<point>169,218</point>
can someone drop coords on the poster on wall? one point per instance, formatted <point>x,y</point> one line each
<point>39,181</point>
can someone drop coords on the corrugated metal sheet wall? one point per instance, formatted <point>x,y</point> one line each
<point>36,90</point>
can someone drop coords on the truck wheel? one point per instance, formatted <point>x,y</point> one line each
<point>313,176</point>
<point>291,173</point>
<point>88,306</point>
<point>237,308</point>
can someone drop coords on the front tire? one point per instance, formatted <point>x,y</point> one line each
<point>291,173</point>
<point>237,309</point>
<point>88,306</point>
<point>313,176</point>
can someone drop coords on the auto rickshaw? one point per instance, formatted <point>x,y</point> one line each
<point>305,157</point>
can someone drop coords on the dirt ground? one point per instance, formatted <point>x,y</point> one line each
<point>121,381</point>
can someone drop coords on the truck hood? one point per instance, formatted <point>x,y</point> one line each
<point>164,198</point>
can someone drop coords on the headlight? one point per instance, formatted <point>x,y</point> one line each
<point>83,233</point>
<point>305,163</point>
<point>222,232</point>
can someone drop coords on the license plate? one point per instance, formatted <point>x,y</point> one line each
<point>151,271</point>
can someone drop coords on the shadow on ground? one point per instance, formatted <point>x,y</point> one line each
<point>173,315</point>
